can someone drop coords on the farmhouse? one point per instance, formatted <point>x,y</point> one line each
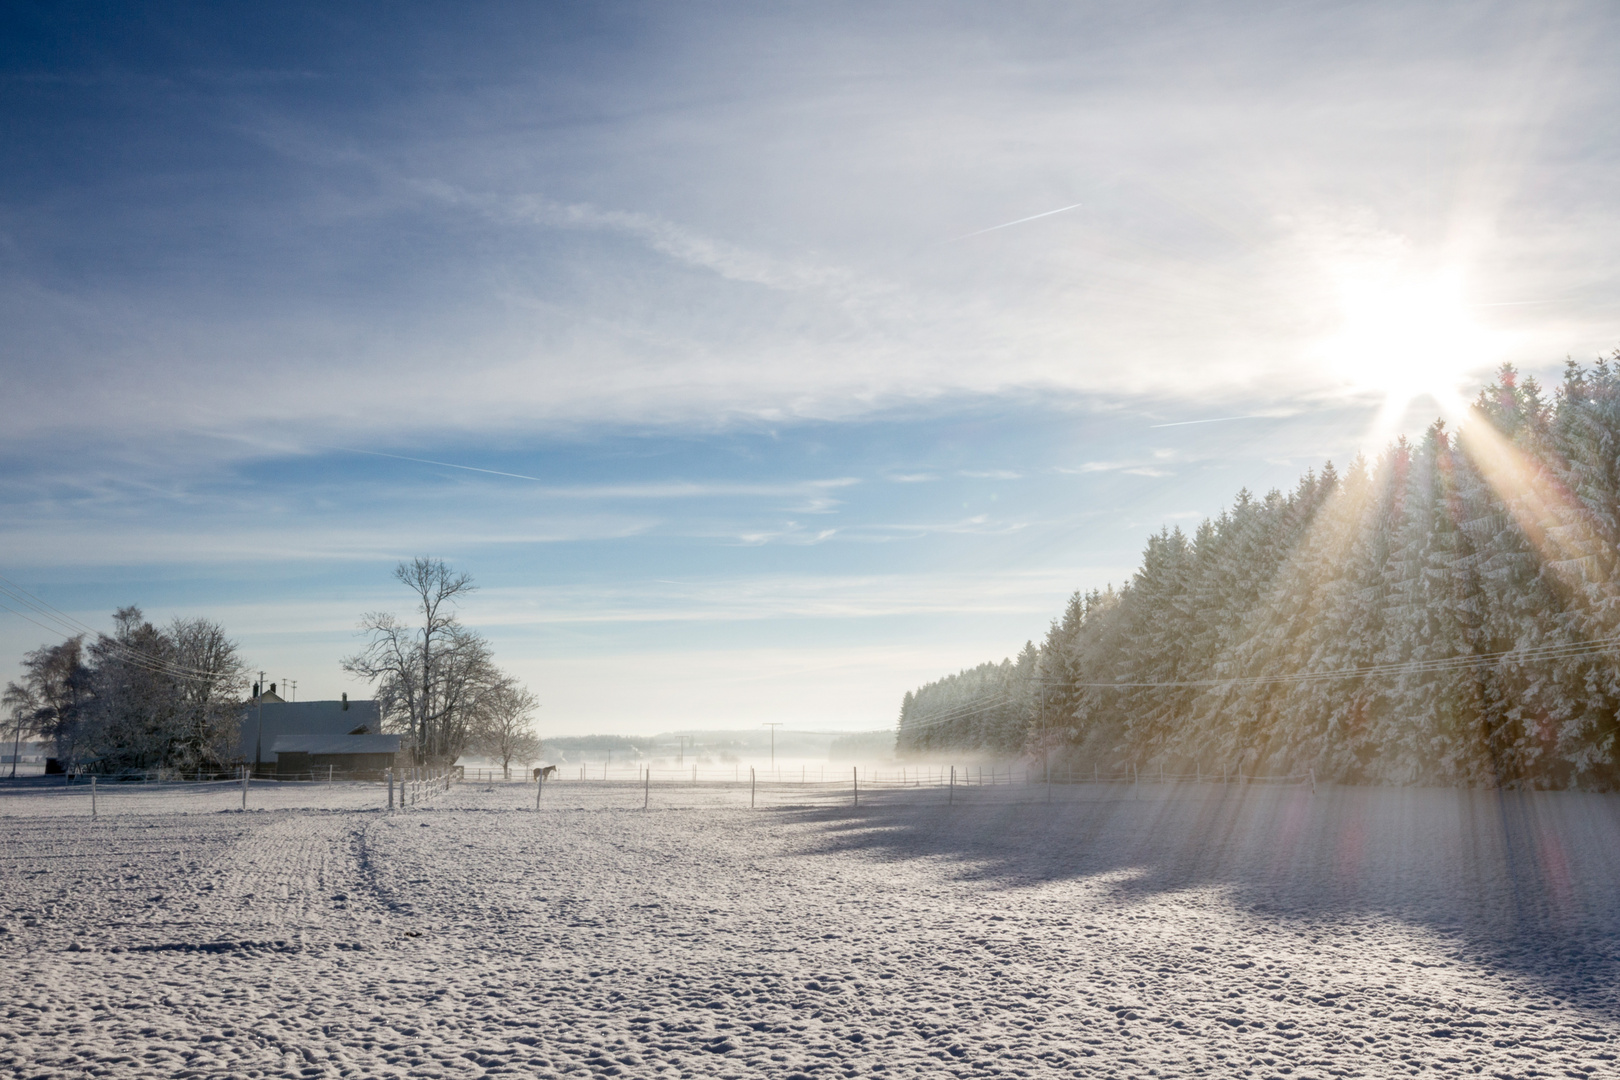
<point>268,721</point>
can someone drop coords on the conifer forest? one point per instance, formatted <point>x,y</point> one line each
<point>1447,614</point>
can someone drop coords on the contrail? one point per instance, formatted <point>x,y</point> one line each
<point>1010,224</point>
<point>444,464</point>
<point>1216,420</point>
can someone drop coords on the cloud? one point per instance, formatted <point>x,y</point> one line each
<point>714,236</point>
<point>990,474</point>
<point>669,489</point>
<point>835,596</point>
<point>678,242</point>
<point>1129,467</point>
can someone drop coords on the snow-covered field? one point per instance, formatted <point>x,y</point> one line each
<point>1198,930</point>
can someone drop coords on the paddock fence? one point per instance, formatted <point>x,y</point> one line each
<point>603,785</point>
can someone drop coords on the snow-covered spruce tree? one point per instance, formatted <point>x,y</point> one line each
<point>1228,723</point>
<point>1052,691</point>
<point>1571,714</point>
<point>1449,567</point>
<point>984,709</point>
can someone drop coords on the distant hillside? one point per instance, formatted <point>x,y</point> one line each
<point>863,746</point>
<point>720,744</point>
<point>593,744</point>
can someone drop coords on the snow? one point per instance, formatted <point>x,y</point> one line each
<point>1175,931</point>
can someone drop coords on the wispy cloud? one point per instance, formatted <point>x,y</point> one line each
<point>1132,468</point>
<point>679,242</point>
<point>1220,420</point>
<point>669,489</point>
<point>978,524</point>
<point>839,596</point>
<point>414,268</point>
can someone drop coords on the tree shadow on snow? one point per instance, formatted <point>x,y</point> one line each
<point>1528,882</point>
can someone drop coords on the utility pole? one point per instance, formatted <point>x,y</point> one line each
<point>258,741</point>
<point>773,725</point>
<point>680,756</point>
<point>292,685</point>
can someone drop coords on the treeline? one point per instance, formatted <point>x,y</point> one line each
<point>142,697</point>
<point>145,697</point>
<point>1447,614</point>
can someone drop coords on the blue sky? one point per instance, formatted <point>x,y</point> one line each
<point>775,421</point>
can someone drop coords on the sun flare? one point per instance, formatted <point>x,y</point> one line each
<point>1407,336</point>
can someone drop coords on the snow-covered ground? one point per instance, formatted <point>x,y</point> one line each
<point>1197,930</point>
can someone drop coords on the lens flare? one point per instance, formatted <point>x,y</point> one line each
<point>1406,336</point>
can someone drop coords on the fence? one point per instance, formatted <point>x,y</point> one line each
<point>803,787</point>
<point>806,787</point>
<point>98,796</point>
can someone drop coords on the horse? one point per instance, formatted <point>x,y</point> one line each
<point>545,773</point>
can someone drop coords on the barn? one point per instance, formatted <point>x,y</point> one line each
<point>318,756</point>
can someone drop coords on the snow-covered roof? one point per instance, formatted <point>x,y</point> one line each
<point>336,744</point>
<point>287,719</point>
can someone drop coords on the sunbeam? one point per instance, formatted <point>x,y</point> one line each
<point>1406,335</point>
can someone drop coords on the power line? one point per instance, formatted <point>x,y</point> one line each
<point>72,627</point>
<point>1567,650</point>
<point>960,712</point>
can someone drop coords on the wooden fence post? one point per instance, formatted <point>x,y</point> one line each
<point>753,785</point>
<point>950,796</point>
<point>92,796</point>
<point>856,775</point>
<point>245,775</point>
<point>646,788</point>
<point>390,777</point>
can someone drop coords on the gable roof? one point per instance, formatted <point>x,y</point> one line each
<point>337,744</point>
<point>288,718</point>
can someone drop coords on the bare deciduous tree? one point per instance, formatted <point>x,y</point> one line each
<point>430,677</point>
<point>505,725</point>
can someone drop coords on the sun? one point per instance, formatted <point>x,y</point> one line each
<point>1404,336</point>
